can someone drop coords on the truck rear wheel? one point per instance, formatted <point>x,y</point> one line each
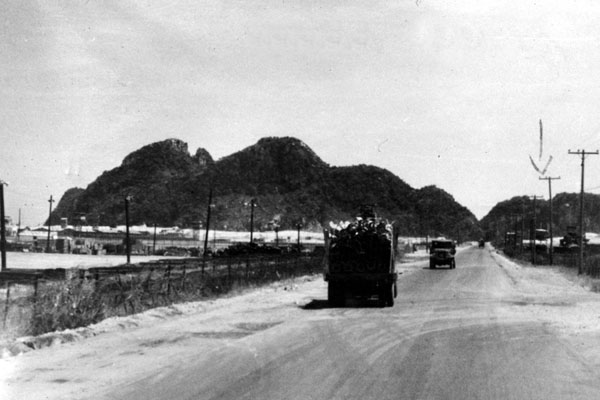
<point>331,293</point>
<point>335,294</point>
<point>386,295</point>
<point>382,295</point>
<point>391,294</point>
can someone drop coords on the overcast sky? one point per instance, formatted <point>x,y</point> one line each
<point>445,93</point>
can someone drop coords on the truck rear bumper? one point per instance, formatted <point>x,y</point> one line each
<point>357,277</point>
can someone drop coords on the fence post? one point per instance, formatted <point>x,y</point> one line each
<point>35,306</point>
<point>148,280</point>
<point>169,280</point>
<point>148,285</point>
<point>247,269</point>
<point>35,290</point>
<point>6,304</point>
<point>123,297</point>
<point>96,279</point>
<point>229,271</point>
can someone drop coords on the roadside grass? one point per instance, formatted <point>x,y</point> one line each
<point>82,300</point>
<point>66,305</point>
<point>567,265</point>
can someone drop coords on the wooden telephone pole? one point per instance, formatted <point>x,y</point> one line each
<point>533,226</point>
<point>208,207</point>
<point>127,237</point>
<point>582,153</point>
<point>533,245</point>
<point>252,204</point>
<point>3,227</point>
<point>550,179</point>
<point>49,224</point>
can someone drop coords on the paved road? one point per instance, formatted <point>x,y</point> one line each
<point>451,335</point>
<point>485,330</point>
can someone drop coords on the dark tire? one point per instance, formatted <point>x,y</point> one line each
<point>391,295</point>
<point>335,294</point>
<point>382,295</point>
<point>332,294</point>
<point>386,295</point>
<point>341,295</point>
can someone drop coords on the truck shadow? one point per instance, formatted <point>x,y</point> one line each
<point>317,304</point>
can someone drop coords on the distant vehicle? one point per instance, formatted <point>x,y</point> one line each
<point>541,234</point>
<point>174,251</point>
<point>481,243</point>
<point>248,249</point>
<point>571,241</point>
<point>442,253</point>
<point>541,240</point>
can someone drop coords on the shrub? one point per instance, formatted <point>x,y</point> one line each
<point>65,305</point>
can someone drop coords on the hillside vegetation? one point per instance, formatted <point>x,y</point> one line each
<point>565,212</point>
<point>290,183</point>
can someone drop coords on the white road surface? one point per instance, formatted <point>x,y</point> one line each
<point>489,329</point>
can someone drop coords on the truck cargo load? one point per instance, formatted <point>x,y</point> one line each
<point>359,261</point>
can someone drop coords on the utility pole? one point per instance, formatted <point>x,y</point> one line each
<point>532,241</point>
<point>252,205</point>
<point>520,241</point>
<point>49,224</point>
<point>582,153</point>
<point>522,225</point>
<point>127,241</point>
<point>3,227</point>
<point>298,226</point>
<point>550,179</point>
<point>533,246</point>
<point>210,194</point>
<point>19,225</point>
<point>154,241</point>
<point>514,219</point>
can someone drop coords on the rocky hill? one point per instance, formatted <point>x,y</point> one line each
<point>565,212</point>
<point>289,182</point>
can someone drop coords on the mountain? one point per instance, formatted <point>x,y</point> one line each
<point>156,177</point>
<point>290,185</point>
<point>273,165</point>
<point>508,214</point>
<point>438,213</point>
<point>67,205</point>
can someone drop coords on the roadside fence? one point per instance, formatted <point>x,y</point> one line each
<point>566,259</point>
<point>38,302</point>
